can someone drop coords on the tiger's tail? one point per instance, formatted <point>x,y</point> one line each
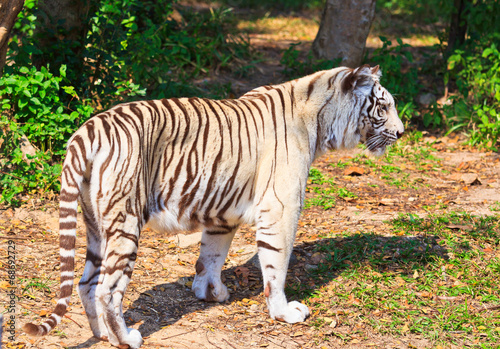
<point>73,172</point>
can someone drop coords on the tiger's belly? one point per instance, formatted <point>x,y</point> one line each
<point>169,223</point>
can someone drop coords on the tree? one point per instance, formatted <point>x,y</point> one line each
<point>9,9</point>
<point>343,30</point>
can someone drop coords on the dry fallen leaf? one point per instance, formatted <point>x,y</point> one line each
<point>355,171</point>
<point>4,285</point>
<point>460,226</point>
<point>388,202</point>
<point>470,179</point>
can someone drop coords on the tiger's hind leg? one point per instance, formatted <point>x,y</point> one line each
<point>87,292</point>
<point>116,271</point>
<point>207,284</point>
<point>96,244</point>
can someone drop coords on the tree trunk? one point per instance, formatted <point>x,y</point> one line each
<point>458,26</point>
<point>60,22</point>
<point>343,30</point>
<point>9,9</point>
<point>66,14</point>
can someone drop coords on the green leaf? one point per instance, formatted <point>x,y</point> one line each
<point>485,120</point>
<point>487,52</point>
<point>62,71</point>
<point>38,76</point>
<point>13,126</point>
<point>35,101</point>
<point>22,103</point>
<point>69,90</point>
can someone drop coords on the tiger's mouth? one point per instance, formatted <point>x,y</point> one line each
<point>377,143</point>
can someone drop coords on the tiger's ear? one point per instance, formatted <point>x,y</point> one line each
<point>376,71</point>
<point>361,80</point>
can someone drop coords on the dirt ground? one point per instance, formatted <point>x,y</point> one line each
<point>159,302</point>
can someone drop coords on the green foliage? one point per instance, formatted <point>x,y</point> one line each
<point>156,52</point>
<point>476,106</point>
<point>34,175</point>
<point>473,74</point>
<point>25,22</point>
<point>135,48</point>
<point>295,67</point>
<point>32,99</point>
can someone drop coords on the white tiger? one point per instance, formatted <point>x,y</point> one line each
<point>181,164</point>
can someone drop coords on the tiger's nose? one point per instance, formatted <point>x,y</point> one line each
<point>399,134</point>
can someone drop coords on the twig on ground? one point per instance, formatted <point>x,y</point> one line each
<point>225,340</point>
<point>208,340</point>
<point>179,334</point>
<point>68,317</point>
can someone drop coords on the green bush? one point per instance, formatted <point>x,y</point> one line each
<point>32,109</point>
<point>136,48</point>
<point>473,76</point>
<point>33,99</point>
<point>476,106</point>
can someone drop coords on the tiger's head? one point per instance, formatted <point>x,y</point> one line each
<point>379,125</point>
<point>359,110</point>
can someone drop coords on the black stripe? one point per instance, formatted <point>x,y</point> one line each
<point>263,244</point>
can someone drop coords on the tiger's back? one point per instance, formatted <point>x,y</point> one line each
<point>181,173</point>
<point>189,163</point>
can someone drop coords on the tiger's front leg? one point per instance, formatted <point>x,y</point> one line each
<point>275,237</point>
<point>207,284</point>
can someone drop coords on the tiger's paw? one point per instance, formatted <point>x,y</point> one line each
<point>134,339</point>
<point>293,312</point>
<point>209,290</point>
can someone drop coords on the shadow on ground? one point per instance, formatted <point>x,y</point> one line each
<point>314,264</point>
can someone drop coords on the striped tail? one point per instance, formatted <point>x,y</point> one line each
<point>72,177</point>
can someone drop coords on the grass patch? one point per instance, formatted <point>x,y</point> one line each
<point>326,189</point>
<point>32,286</point>
<point>434,277</point>
<point>410,151</point>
